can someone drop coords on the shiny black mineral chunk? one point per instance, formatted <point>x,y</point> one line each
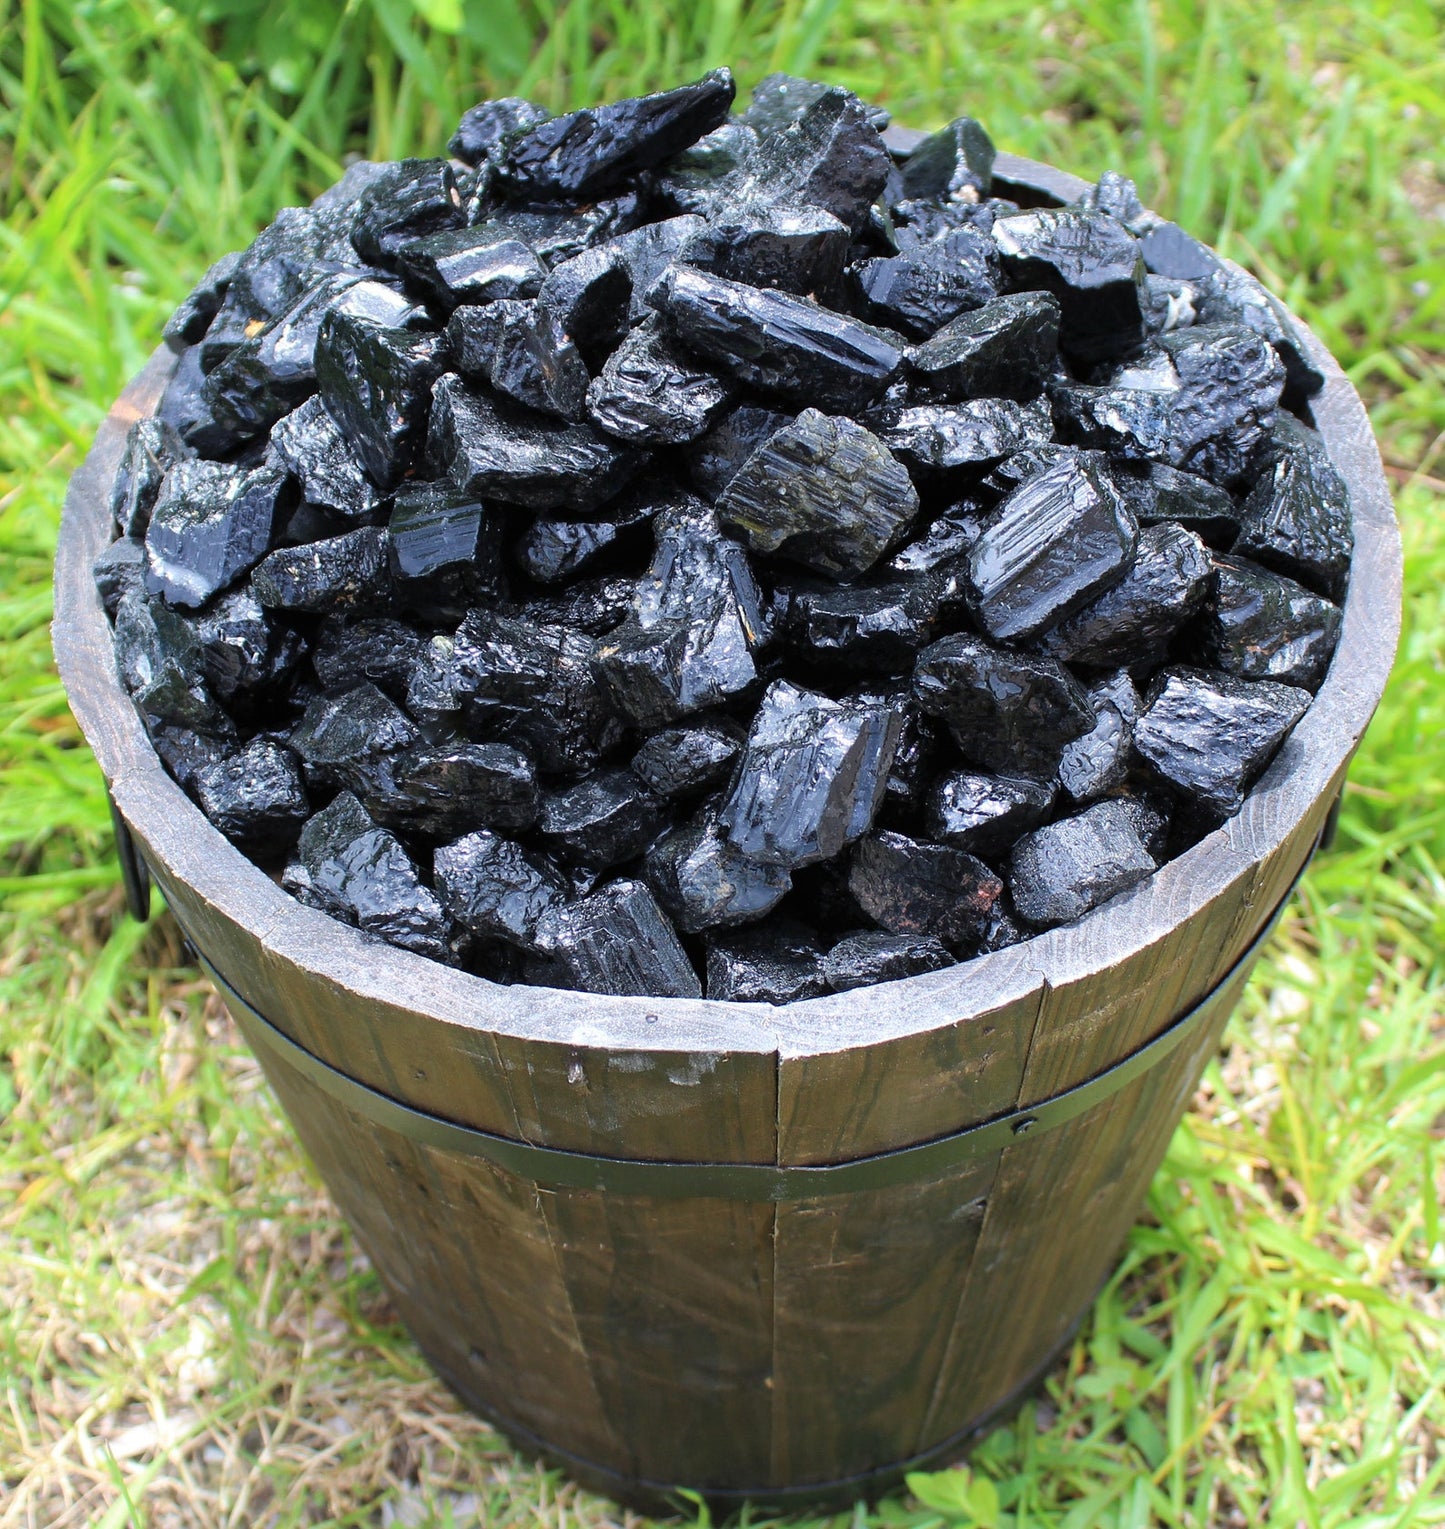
<point>606,818</point>
<point>648,251</point>
<point>984,814</point>
<point>588,152</point>
<point>1060,538</point>
<point>1060,872</point>
<point>855,627</point>
<point>516,681</point>
<point>521,349</point>
<point>830,156</point>
<point>714,459</point>
<point>619,941</point>
<point>1263,626</point>
<point>823,492</point>
<point>1004,349</point>
<point>556,233</point>
<point>591,606</point>
<point>255,797</point>
<point>859,960</point>
<point>495,888</point>
<point>942,436</point>
<point>680,762</point>
<point>811,778</point>
<point>1091,263</point>
<point>556,551</point>
<point>913,887</point>
<point>443,789</point>
<point>1297,517</point>
<point>443,551</point>
<point>780,963</point>
<point>1134,620</point>
<point>481,134</point>
<point>342,573</point>
<point>156,654</point>
<point>470,265</point>
<point>1211,735</point>
<point>346,739</point>
<point>118,570</point>
<point>778,100</point>
<point>376,648</point>
<point>1157,493</point>
<point>185,753</point>
<point>1232,296</point>
<point>704,882</point>
<point>955,162</point>
<point>918,292</point>
<point>589,298</point>
<point>241,648</point>
<point>1097,762</point>
<point>652,392</point>
<point>782,345</point>
<point>793,249</point>
<point>211,523</point>
<point>310,445</point>
<point>407,200</point>
<point>496,449</point>
<point>709,176</point>
<point>1012,713</point>
<point>376,384</point>
<point>360,873</point>
<point>152,448</point>
<point>1203,399</point>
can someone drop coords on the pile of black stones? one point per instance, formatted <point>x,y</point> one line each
<point>658,550</point>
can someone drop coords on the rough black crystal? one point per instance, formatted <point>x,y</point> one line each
<point>779,963</point>
<point>470,265</point>
<point>439,790</point>
<point>918,292</point>
<point>1263,626</point>
<point>859,960</point>
<point>522,350</point>
<point>942,436</point>
<point>652,392</point>
<point>1059,872</point>
<point>442,549</point>
<point>984,814</point>
<point>679,762</point>
<point>211,524</point>
<point>913,887</point>
<point>482,133</point>
<point>954,162</point>
<point>310,445</point>
<point>255,797</point>
<point>495,888</point>
<point>1004,349</point>
<point>619,941</point>
<point>705,882</point>
<point>343,573</point>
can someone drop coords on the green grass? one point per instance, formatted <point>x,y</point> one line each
<point>186,1335</point>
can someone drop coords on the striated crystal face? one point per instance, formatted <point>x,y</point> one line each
<point>659,547</point>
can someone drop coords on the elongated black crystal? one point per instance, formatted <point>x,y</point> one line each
<point>1061,871</point>
<point>310,445</point>
<point>859,960</point>
<point>407,200</point>
<point>470,265</point>
<point>619,941</point>
<point>942,436</point>
<point>439,790</point>
<point>344,573</point>
<point>211,524</point>
<point>1004,349</point>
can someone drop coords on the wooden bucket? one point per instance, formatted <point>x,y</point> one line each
<point>771,1254</point>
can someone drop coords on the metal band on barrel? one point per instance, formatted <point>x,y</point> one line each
<point>755,1182</point>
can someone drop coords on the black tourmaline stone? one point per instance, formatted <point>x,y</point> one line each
<point>780,99</point>
<point>376,384</point>
<point>830,156</point>
<point>184,753</point>
<point>598,149</point>
<point>783,345</point>
<point>496,449</point>
<point>443,557</point>
<point>589,297</point>
<point>377,648</point>
<point>152,448</point>
<point>984,814</point>
<point>1005,349</point>
<point>954,162</point>
<point>342,573</point>
<point>859,960</point>
<point>942,436</point>
<point>1058,539</point>
<point>406,200</point>
<point>823,492</point>
<point>156,654</point>
<point>211,523</point>
<point>705,883</point>
<point>651,392</point>
<point>593,606</point>
<point>309,444</point>
<point>556,551</point>
<point>241,648</point>
<point>255,797</point>
<point>1263,626</point>
<point>1012,713</point>
<point>443,789</point>
<point>1091,263</point>
<point>118,571</point>
<point>909,886</point>
<point>495,888</point>
<point>714,459</point>
<point>697,620</point>
<point>811,778</point>
<point>781,963</point>
<point>200,305</point>
<point>792,249</point>
<point>470,265</point>
<point>360,873</point>
<point>608,817</point>
<point>1211,735</point>
<point>523,351</point>
<point>347,738</point>
<point>1158,493</point>
<point>1134,620</point>
<point>918,292</point>
<point>1059,872</point>
<point>619,941</point>
<point>680,762</point>
<point>1098,762</point>
<point>853,627</point>
<point>1297,516</point>
<point>481,134</point>
<point>1202,399</point>
<point>1232,296</point>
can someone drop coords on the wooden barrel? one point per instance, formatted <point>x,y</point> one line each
<point>771,1253</point>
